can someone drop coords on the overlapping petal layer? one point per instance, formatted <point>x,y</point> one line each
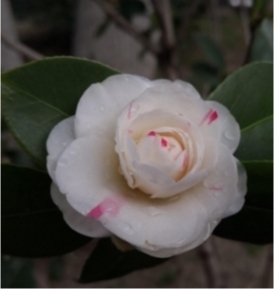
<point>174,150</point>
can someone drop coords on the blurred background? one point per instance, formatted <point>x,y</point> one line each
<point>200,41</point>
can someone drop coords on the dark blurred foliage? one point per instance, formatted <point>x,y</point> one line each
<point>17,273</point>
<point>48,24</point>
<point>45,12</point>
<point>130,8</point>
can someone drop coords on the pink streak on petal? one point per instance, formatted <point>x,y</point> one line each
<point>216,188</point>
<point>130,131</point>
<point>129,110</point>
<point>96,212</point>
<point>210,116</point>
<point>213,116</point>
<point>108,206</point>
<point>206,116</point>
<point>164,143</point>
<point>151,133</point>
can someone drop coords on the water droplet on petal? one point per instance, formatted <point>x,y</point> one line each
<point>179,244</point>
<point>126,227</point>
<point>174,199</point>
<point>229,135</point>
<point>153,211</point>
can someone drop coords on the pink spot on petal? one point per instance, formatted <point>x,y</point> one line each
<point>210,116</point>
<point>96,212</point>
<point>151,133</point>
<point>213,116</point>
<point>129,110</point>
<point>164,143</point>
<point>108,206</point>
<point>217,188</point>
<point>130,131</point>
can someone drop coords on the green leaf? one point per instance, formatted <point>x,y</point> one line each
<point>211,50</point>
<point>36,96</point>
<point>107,262</point>
<point>262,47</point>
<point>256,141</point>
<point>32,226</point>
<point>247,93</point>
<point>250,225</point>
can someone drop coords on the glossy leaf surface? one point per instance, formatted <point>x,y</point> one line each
<point>36,96</point>
<point>247,93</point>
<point>262,46</point>
<point>32,226</point>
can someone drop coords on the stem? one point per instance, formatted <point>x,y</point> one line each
<point>210,265</point>
<point>245,24</point>
<point>183,29</point>
<point>268,268</point>
<point>23,49</point>
<point>125,25</point>
<point>168,57</point>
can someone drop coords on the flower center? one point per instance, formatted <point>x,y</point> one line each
<point>164,150</point>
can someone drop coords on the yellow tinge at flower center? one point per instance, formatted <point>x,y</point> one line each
<point>165,151</point>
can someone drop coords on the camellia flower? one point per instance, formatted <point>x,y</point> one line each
<point>147,161</point>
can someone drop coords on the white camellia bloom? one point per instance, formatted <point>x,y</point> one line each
<point>147,161</point>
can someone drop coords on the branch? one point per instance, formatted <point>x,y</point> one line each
<point>162,9</point>
<point>268,268</point>
<point>183,29</point>
<point>211,265</point>
<point>21,48</point>
<point>126,25</point>
<point>168,57</point>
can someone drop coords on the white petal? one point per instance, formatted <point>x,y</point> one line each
<point>101,104</point>
<point>151,179</point>
<point>172,102</point>
<point>75,220</point>
<point>229,127</point>
<point>168,252</point>
<point>59,138</point>
<point>220,188</point>
<point>149,224</point>
<point>239,198</point>
<point>87,172</point>
<point>186,89</point>
<point>168,97</point>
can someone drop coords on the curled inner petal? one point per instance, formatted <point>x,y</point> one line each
<point>163,154</point>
